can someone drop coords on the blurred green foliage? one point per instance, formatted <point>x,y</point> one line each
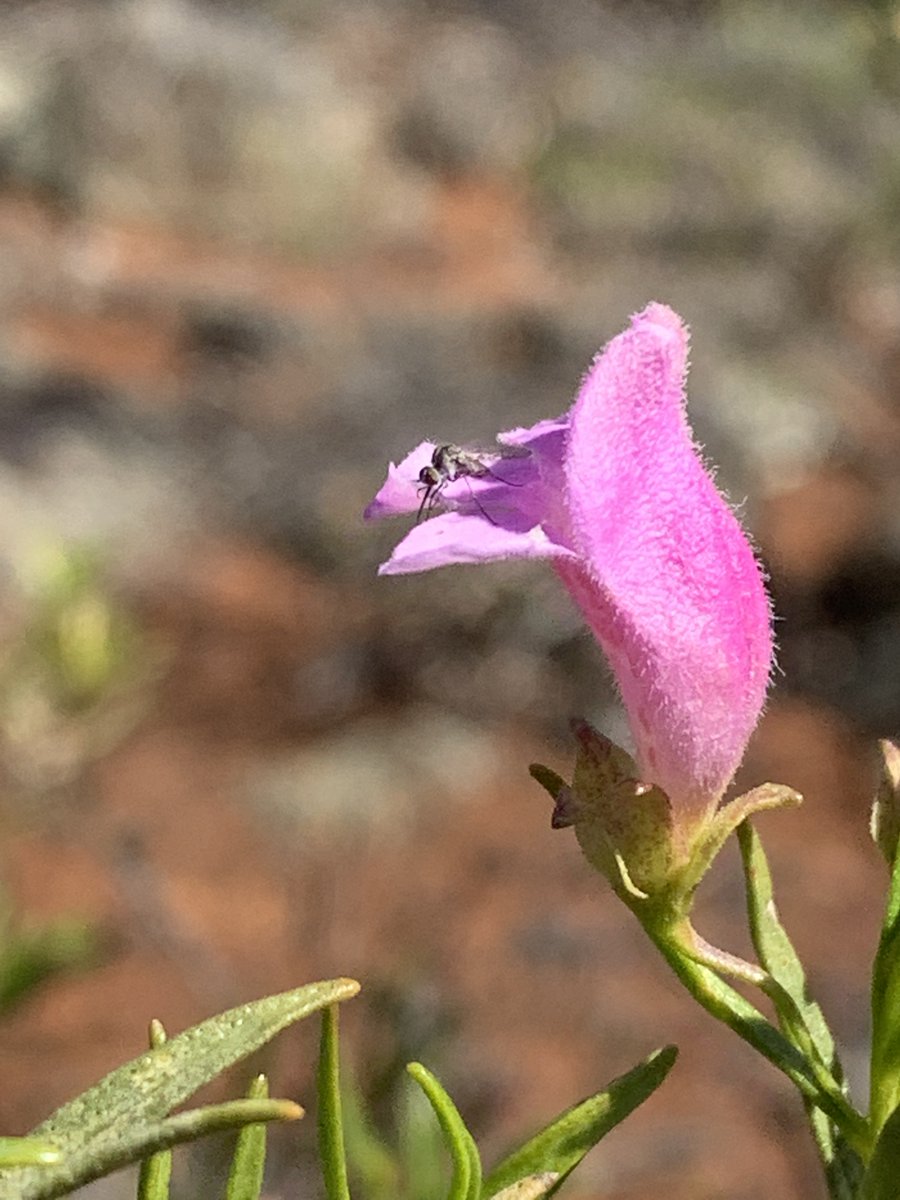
<point>410,1161</point>
<point>78,639</point>
<point>31,954</point>
<point>76,672</point>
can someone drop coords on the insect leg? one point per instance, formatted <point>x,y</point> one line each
<point>431,492</point>
<point>426,489</point>
<point>509,483</point>
<point>478,503</point>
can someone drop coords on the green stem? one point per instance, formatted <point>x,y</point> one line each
<point>156,1170</point>
<point>248,1163</point>
<point>330,1120</point>
<point>728,1006</point>
<point>721,962</point>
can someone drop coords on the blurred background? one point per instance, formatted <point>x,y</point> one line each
<point>248,254</point>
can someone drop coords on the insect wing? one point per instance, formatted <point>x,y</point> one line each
<point>471,464</point>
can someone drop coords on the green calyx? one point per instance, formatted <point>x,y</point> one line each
<point>623,825</point>
<point>628,831</point>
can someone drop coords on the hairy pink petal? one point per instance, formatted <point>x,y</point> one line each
<point>666,578</point>
<point>616,493</point>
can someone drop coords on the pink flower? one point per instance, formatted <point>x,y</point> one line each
<point>616,494</point>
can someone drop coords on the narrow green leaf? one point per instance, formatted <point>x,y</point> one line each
<point>562,1145</point>
<point>885,1069</point>
<point>422,1150</point>
<point>245,1178</point>
<point>882,1178</point>
<point>155,1176</point>
<point>792,1003</point>
<point>465,1183</point>
<point>118,1120</point>
<point>173,1131</point>
<point>332,1155</point>
<point>220,1118</point>
<point>532,1187</point>
<point>156,1171</point>
<point>150,1086</point>
<point>28,1152</point>
<point>772,944</point>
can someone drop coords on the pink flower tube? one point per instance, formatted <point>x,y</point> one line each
<point>616,494</point>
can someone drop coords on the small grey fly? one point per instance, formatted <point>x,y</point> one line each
<point>449,463</point>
